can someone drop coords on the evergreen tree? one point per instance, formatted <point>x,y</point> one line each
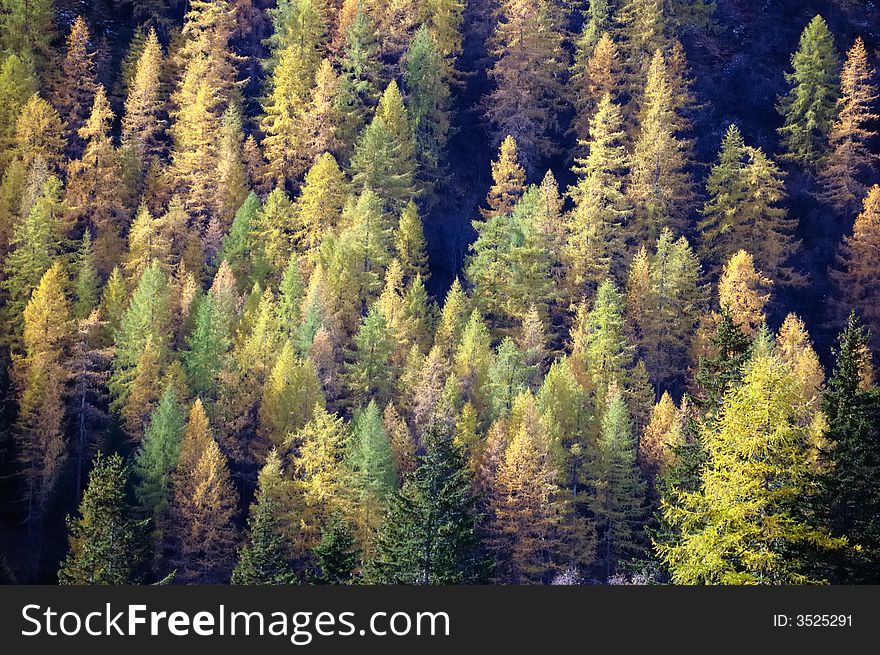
<point>619,490</point>
<point>85,284</point>
<point>809,107</point>
<point>337,556</point>
<point>157,456</point>
<point>850,486</point>
<point>371,456</point>
<point>263,560</point>
<point>850,160</point>
<point>369,375</point>
<point>208,344</point>
<point>27,28</point>
<point>76,83</point>
<point>429,535</point>
<point>106,547</point>
<point>17,85</point>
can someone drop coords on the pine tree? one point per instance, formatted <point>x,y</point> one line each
<point>849,160</point>
<point>372,458</point>
<point>143,123</point>
<point>857,273</point>
<point>601,208</point>
<point>240,248</point>
<point>744,526</point>
<point>746,190</point>
<point>383,159</point>
<point>850,487</point>
<point>740,291</point>
<point>106,547</point>
<point>619,490</point>
<point>429,535</point>
<point>530,62</point>
<point>265,557</point>
<point>41,377</point>
<point>76,83</point>
<point>337,556</point>
<point>809,107</point>
<point>660,184</point>
<point>157,455</point>
<point>429,105</point>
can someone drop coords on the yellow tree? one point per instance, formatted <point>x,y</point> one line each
<point>857,274</point>
<point>143,123</point>
<point>75,83</point>
<point>41,377</point>
<point>850,158</point>
<point>508,181</point>
<point>598,75</point>
<point>741,291</point>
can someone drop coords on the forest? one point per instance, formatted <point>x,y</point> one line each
<point>439,292</point>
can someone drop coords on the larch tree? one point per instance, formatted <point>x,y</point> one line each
<point>232,188</point>
<point>319,125</point>
<point>594,246</point>
<point>319,205</point>
<point>508,181</point>
<point>663,434</point>
<point>39,134</point>
<point>594,76</point>
<point>75,86</point>
<point>95,196</point>
<point>202,525</point>
<point>856,273</point>
<point>744,525</point>
<point>741,290</point>
<point>371,458</point>
<point>746,194</point>
<point>410,243</point>
<point>384,157</point>
<point>660,183</point>
<point>41,377</point>
<point>527,95</point>
<point>809,108</point>
<point>290,395</point>
<point>106,546</point>
<point>146,389</point>
<point>143,122</point>
<point>445,19</point>
<point>850,161</point>
<point>369,375</point>
<point>17,85</point>
<point>28,28</point>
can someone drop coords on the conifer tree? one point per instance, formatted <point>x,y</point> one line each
<point>857,272</point>
<point>662,436</point>
<point>642,28</point>
<point>619,490</point>
<point>28,28</point>
<point>369,375</point>
<point>594,75</point>
<point>453,317</point>
<point>660,185</point>
<point>41,377</point>
<point>157,455</point>
<point>85,283</point>
<point>530,62</point>
<point>202,523</point>
<point>76,83</point>
<point>319,205</point>
<point>601,208</point>
<point>383,159</point>
<point>337,556</point>
<point>371,457</point>
<point>471,361</point>
<point>429,105</point>
<point>445,18</point>
<point>208,344</point>
<point>361,70</point>
<point>746,190</point>
<point>142,122</point>
<point>274,230</point>
<point>231,174</point>
<point>429,535</point>
<point>849,160</point>
<point>759,444</point>
<point>146,389</point>
<point>508,181</point>
<point>17,85</point>
<point>525,518</point>
<point>106,547</point>
<point>317,131</point>
<point>39,134</point>
<point>240,249</point>
<point>264,558</point>
<point>850,487</point>
<point>809,107</point>
<point>290,395</point>
<point>740,291</point>
<point>410,243</point>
